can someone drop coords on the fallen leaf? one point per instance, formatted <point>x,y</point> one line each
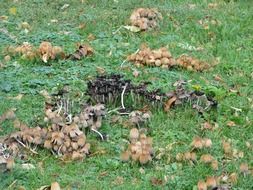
<point>91,37</point>
<point>13,10</point>
<point>3,17</point>
<point>212,5</point>
<point>169,103</point>
<point>27,166</point>
<point>156,182</point>
<point>65,6</point>
<point>18,97</point>
<point>233,178</point>
<point>10,114</point>
<point>132,28</point>
<point>118,181</point>
<point>101,70</point>
<point>231,124</point>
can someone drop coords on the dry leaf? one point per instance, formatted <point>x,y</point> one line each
<point>91,37</point>
<point>231,124</point>
<point>156,182</point>
<point>27,166</point>
<point>118,181</point>
<point>132,28</point>
<point>100,70</point>
<point>169,103</point>
<point>233,178</point>
<point>212,5</point>
<point>18,97</point>
<point>13,10</point>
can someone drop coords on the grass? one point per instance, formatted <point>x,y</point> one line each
<point>231,41</point>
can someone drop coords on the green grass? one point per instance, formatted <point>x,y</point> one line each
<point>232,43</point>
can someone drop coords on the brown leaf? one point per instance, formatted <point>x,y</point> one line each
<point>118,181</point>
<point>231,124</point>
<point>169,103</point>
<point>10,114</point>
<point>156,182</point>
<point>212,5</point>
<point>233,178</point>
<point>91,37</point>
<point>18,97</point>
<point>100,70</point>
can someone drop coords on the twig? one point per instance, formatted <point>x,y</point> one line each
<point>117,30</point>
<point>121,65</point>
<point>236,109</point>
<point>33,151</point>
<point>12,184</point>
<point>94,130</point>
<point>59,110</point>
<point>122,96</point>
<point>114,110</point>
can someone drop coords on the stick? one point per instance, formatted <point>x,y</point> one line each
<point>33,151</point>
<point>117,30</point>
<point>122,96</point>
<point>94,130</point>
<point>12,184</point>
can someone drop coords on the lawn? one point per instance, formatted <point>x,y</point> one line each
<point>224,35</point>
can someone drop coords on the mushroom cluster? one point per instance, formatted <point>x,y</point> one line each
<point>67,141</point>
<point>147,57</point>
<point>49,52</point>
<point>140,149</point>
<point>91,117</point>
<point>46,51</point>
<point>82,51</point>
<point>139,118</point>
<point>191,63</point>
<point>145,18</point>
